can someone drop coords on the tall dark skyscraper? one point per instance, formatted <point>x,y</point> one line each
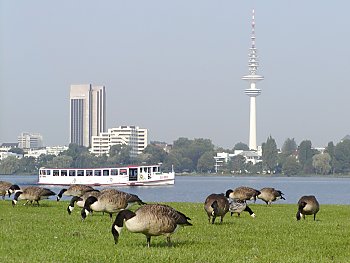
<point>87,113</point>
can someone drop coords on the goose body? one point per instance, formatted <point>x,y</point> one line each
<point>32,193</point>
<point>150,220</point>
<point>216,205</point>
<point>80,200</point>
<point>243,193</point>
<point>307,205</point>
<point>110,201</point>
<point>238,206</point>
<point>4,187</point>
<point>74,190</point>
<point>269,195</point>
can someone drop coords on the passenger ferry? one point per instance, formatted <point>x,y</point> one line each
<point>127,176</point>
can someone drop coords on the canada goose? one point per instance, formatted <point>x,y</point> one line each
<point>238,206</point>
<point>243,193</point>
<point>150,220</point>
<point>110,201</point>
<point>4,187</point>
<point>80,200</point>
<point>307,205</point>
<point>216,205</point>
<point>13,189</point>
<point>75,190</point>
<point>32,193</point>
<point>269,195</point>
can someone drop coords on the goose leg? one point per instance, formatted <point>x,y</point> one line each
<point>168,241</point>
<point>148,241</point>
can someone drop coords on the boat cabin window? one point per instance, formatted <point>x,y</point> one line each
<point>71,173</point>
<point>155,169</point>
<point>55,172</point>
<point>114,171</point>
<point>48,172</point>
<point>64,173</point>
<point>80,173</point>
<point>105,172</point>
<point>42,172</point>
<point>88,172</point>
<point>97,173</point>
<point>123,172</point>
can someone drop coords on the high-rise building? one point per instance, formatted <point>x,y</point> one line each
<point>253,92</point>
<point>27,140</point>
<point>87,113</point>
<point>132,136</point>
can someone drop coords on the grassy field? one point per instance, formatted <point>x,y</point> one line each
<point>48,234</point>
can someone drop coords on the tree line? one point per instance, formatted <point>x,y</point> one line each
<point>197,156</point>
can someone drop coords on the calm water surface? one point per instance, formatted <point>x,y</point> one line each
<point>197,188</point>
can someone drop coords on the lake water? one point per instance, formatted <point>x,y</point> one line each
<point>197,188</point>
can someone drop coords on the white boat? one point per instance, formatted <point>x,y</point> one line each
<point>130,175</point>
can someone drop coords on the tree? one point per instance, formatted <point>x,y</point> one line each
<point>305,153</point>
<point>330,150</point>
<point>269,155</point>
<point>237,164</point>
<point>16,150</point>
<point>291,166</point>
<point>289,147</point>
<point>9,165</point>
<point>61,161</point>
<point>27,165</point>
<point>154,154</point>
<point>342,157</point>
<point>241,146</point>
<point>206,162</point>
<point>321,163</point>
<point>120,154</point>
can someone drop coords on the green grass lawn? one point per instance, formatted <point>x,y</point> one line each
<point>48,234</point>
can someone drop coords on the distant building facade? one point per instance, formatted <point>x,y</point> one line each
<point>253,157</point>
<point>27,140</point>
<point>6,146</point>
<point>87,113</point>
<point>133,136</point>
<point>52,150</point>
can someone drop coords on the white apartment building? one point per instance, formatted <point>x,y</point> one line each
<point>27,140</point>
<point>132,136</point>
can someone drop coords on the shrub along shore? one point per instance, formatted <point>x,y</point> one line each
<point>48,234</point>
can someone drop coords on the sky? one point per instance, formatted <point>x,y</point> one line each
<point>175,67</point>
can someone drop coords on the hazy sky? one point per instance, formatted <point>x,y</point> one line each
<point>175,67</point>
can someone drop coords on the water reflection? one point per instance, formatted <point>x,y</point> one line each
<point>197,188</point>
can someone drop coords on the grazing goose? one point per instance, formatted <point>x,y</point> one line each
<point>75,190</point>
<point>13,189</point>
<point>80,200</point>
<point>307,205</point>
<point>216,205</point>
<point>150,220</point>
<point>111,201</point>
<point>238,206</point>
<point>32,193</point>
<point>4,187</point>
<point>269,195</point>
<point>243,193</point>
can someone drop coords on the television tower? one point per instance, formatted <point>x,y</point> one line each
<point>253,92</point>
